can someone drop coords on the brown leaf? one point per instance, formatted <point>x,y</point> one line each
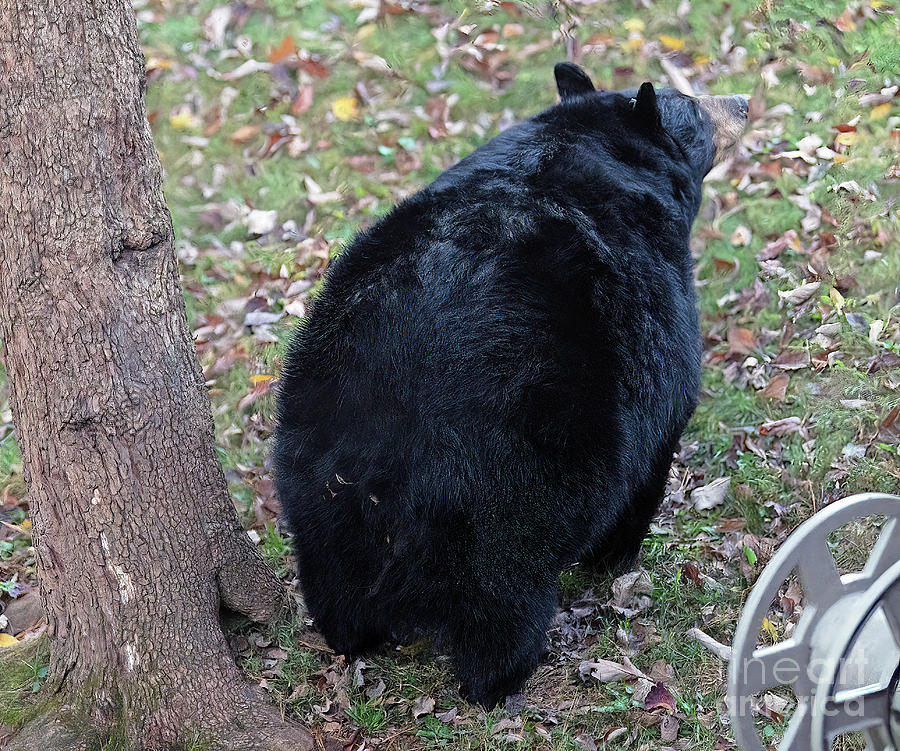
<point>776,388</point>
<point>607,671</point>
<point>659,697</point>
<point>781,427</point>
<point>692,572</point>
<point>792,359</point>
<point>285,49</point>
<point>662,672</point>
<point>884,361</point>
<point>303,101</point>
<point>724,265</point>
<point>244,133</point>
<point>438,111</point>
<point>259,389</point>
<point>627,591</point>
<point>741,341</point>
<point>845,21</point>
<point>773,706</point>
<point>668,728</point>
<point>314,67</point>
<point>889,429</point>
<point>422,706</point>
<point>774,248</point>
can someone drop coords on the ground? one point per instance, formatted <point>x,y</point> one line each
<point>284,125</point>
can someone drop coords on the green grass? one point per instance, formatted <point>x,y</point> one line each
<point>22,674</point>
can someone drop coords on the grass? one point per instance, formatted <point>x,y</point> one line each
<point>804,79</point>
<point>22,673</point>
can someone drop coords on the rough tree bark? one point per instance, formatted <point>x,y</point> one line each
<point>136,537</point>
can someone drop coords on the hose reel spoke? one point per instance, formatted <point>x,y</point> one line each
<point>890,605</point>
<point>775,666</point>
<point>856,710</point>
<point>796,736</point>
<point>818,574</point>
<point>886,551</point>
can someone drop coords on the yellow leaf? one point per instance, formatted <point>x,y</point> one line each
<point>840,158</point>
<point>702,59</point>
<point>673,43</point>
<point>157,63</point>
<point>769,629</point>
<point>182,120</point>
<point>877,4</point>
<point>838,299</point>
<point>26,524</point>
<point>260,378</point>
<point>8,641</point>
<point>345,108</point>
<point>880,112</point>
<point>633,44</point>
<point>833,60</point>
<point>847,139</point>
<point>365,31</point>
<point>634,24</point>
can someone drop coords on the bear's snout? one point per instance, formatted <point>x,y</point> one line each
<point>727,113</point>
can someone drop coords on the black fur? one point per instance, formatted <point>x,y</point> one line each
<point>571,81</point>
<point>492,382</point>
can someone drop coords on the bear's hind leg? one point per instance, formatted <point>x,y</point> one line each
<point>498,640</point>
<point>352,631</point>
<point>336,596</point>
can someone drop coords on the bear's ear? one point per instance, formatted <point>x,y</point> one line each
<point>571,81</point>
<point>645,108</point>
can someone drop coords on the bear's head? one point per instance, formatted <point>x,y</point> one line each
<point>704,129</point>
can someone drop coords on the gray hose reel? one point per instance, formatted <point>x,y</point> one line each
<point>842,660</point>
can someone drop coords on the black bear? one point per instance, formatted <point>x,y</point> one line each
<point>492,382</point>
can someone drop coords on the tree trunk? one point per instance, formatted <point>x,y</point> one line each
<point>137,541</point>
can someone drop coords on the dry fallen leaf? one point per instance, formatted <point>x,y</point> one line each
<point>422,706</point>
<point>244,133</point>
<point>776,388</point>
<point>801,294</point>
<point>741,341</point>
<point>659,698</point>
<point>792,359</point>
<point>880,112</point>
<point>889,428</point>
<point>345,108</point>
<point>607,671</point>
<point>261,222</point>
<point>668,728</point>
<point>711,495</point>
<point>773,706</point>
<point>284,50</point>
<point>673,43</point>
<point>785,426</point>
